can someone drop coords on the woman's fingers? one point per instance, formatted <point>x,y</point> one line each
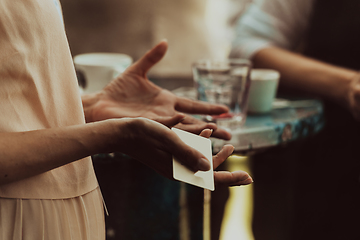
<point>206,133</point>
<point>170,121</point>
<point>157,140</point>
<point>186,155</point>
<point>221,156</point>
<point>188,105</point>
<point>232,178</point>
<point>195,125</point>
<point>196,129</point>
<point>229,178</point>
<point>150,58</point>
<point>168,143</point>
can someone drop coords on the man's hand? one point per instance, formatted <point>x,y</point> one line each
<point>353,97</point>
<point>132,95</point>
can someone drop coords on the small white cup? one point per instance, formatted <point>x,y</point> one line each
<point>263,88</point>
<point>100,68</point>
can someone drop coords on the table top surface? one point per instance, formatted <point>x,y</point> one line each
<point>289,120</point>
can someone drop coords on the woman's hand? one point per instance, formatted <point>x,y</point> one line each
<point>155,145</point>
<point>132,95</point>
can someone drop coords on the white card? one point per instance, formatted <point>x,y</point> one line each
<point>204,179</point>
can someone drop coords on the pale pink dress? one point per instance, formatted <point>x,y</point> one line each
<point>38,90</point>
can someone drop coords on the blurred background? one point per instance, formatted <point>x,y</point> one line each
<point>194,29</point>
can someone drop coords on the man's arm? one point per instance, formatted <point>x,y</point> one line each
<point>269,32</point>
<point>308,75</point>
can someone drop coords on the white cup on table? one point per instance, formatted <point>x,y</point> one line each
<point>263,88</point>
<point>98,69</point>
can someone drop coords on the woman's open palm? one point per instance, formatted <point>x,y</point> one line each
<point>131,94</point>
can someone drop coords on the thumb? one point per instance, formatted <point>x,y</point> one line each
<point>150,58</point>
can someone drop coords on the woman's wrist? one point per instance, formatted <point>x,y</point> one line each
<point>104,136</point>
<point>114,135</point>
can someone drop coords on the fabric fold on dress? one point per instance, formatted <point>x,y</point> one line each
<point>75,218</point>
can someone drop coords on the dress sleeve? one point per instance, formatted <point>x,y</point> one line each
<point>265,23</point>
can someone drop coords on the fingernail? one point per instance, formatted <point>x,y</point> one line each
<point>212,131</point>
<point>203,164</point>
<point>247,181</point>
<point>247,176</point>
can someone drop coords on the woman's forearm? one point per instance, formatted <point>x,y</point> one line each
<point>307,75</point>
<point>25,154</point>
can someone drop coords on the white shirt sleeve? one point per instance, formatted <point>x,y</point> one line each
<point>58,8</point>
<point>281,23</point>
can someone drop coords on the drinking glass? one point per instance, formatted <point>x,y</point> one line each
<point>224,82</point>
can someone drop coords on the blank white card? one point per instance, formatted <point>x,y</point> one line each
<point>203,179</point>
